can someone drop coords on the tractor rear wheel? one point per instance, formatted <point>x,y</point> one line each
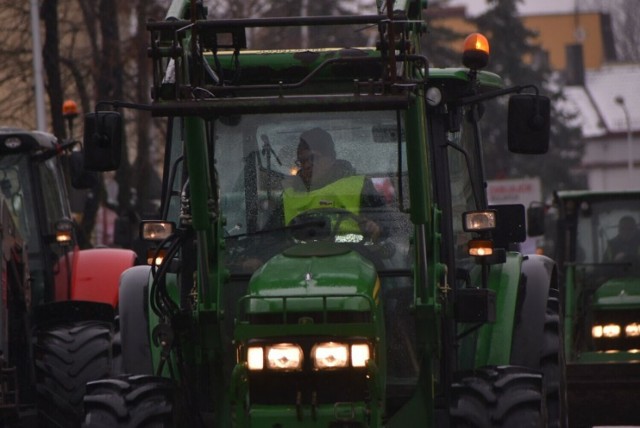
<point>552,363</point>
<point>67,356</point>
<point>504,396</point>
<point>129,401</point>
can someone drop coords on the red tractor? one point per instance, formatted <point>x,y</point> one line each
<point>57,328</point>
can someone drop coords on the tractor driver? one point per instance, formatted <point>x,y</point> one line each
<point>323,181</point>
<point>625,247</point>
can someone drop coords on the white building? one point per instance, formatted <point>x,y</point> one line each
<point>608,112</point>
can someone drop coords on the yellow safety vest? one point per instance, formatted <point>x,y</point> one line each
<point>343,194</point>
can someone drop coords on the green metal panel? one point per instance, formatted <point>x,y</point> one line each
<point>569,311</point>
<point>608,357</point>
<point>199,183</point>
<point>494,343</point>
<point>618,293</point>
<point>419,174</point>
<point>341,272</point>
<point>288,65</point>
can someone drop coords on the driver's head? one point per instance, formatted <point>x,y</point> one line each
<point>627,227</point>
<point>316,153</point>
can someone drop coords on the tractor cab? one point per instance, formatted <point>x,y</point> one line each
<point>595,241</point>
<point>33,184</point>
<point>326,255</point>
<point>601,245</point>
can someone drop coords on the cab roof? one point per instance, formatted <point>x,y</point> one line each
<point>15,140</point>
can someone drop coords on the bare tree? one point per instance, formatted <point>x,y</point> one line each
<point>145,181</point>
<point>625,16</point>
<point>16,73</point>
<point>51,61</point>
<point>627,30</point>
<point>92,51</point>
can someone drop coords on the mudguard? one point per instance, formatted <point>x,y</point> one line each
<point>522,286</point>
<point>539,274</point>
<point>493,341</point>
<point>69,311</point>
<point>134,326</point>
<point>96,274</point>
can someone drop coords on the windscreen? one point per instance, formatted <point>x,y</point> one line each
<point>36,221</point>
<point>18,193</point>
<point>607,231</point>
<point>287,178</point>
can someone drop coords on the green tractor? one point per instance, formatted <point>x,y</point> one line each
<point>595,242</point>
<point>326,256</point>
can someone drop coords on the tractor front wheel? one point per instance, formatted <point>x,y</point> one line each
<point>67,356</point>
<point>129,401</point>
<point>498,397</point>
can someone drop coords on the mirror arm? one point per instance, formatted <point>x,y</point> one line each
<point>493,94</point>
<point>118,104</point>
<point>48,154</point>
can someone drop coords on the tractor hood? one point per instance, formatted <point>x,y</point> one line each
<point>618,293</point>
<point>318,269</point>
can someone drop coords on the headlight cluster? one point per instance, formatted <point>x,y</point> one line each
<point>281,356</point>
<point>324,355</point>
<point>611,331</point>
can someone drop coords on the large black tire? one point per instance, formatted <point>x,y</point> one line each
<point>67,356</point>
<point>498,397</point>
<point>548,358</point>
<point>553,365</point>
<point>538,334</point>
<point>128,402</point>
<point>116,349</point>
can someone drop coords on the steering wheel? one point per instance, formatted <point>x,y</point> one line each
<point>325,224</point>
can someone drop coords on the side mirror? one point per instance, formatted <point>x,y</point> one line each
<point>535,220</point>
<point>102,140</point>
<point>529,124</point>
<point>511,225</point>
<point>80,177</point>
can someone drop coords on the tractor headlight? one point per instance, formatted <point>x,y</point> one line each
<point>607,331</point>
<point>255,358</point>
<point>280,356</point>
<point>64,232</point>
<point>331,355</point>
<point>596,331</point>
<point>479,221</point>
<point>155,230</point>
<point>360,353</point>
<point>632,330</point>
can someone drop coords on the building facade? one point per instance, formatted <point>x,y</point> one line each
<point>602,93</point>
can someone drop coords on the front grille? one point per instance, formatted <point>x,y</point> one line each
<point>327,309</point>
<point>316,317</point>
<point>308,387</point>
